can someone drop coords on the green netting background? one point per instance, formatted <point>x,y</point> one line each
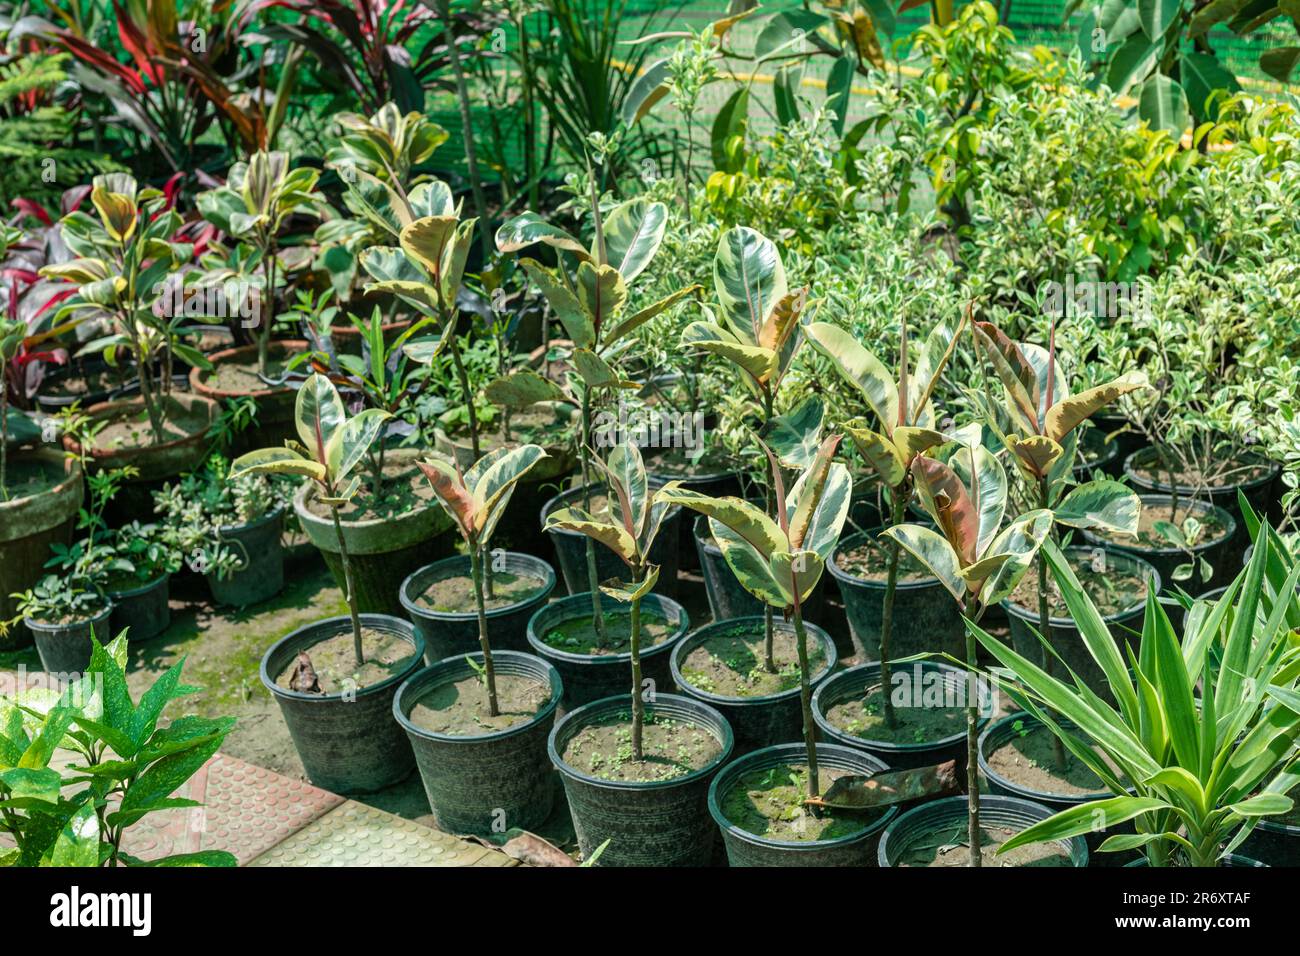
<point>1035,22</point>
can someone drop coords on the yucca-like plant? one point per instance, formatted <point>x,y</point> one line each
<point>590,305</point>
<point>906,428</point>
<point>780,560</point>
<point>977,560</point>
<point>252,208</point>
<point>332,446</point>
<point>629,529</point>
<point>1200,743</point>
<point>476,499</point>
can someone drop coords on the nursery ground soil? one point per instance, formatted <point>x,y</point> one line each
<point>241,376</point>
<point>455,594</point>
<point>577,635</point>
<point>25,477</point>
<point>1213,529</point>
<point>1113,590</point>
<point>669,748</point>
<point>770,803</point>
<point>334,660</point>
<point>731,663</point>
<point>1030,761</point>
<point>461,708</point>
<point>405,489</point>
<point>133,431</point>
<point>865,718</point>
<point>949,848</point>
<point>869,560</point>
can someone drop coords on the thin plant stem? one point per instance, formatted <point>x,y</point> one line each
<point>638,704</point>
<point>489,672</point>
<point>887,610</point>
<point>593,577</point>
<point>805,701</point>
<point>351,596</point>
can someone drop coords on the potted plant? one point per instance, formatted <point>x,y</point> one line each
<point>442,599</point>
<point>1194,773</point>
<point>252,208</point>
<point>767,802</point>
<point>980,562</point>
<point>124,257</point>
<point>590,305</point>
<point>635,767</point>
<point>335,679</point>
<point>230,530</point>
<point>40,494</point>
<point>478,723</point>
<point>138,584</point>
<point>125,766</point>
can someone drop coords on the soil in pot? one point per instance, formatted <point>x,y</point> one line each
<point>948,847</point>
<point>864,717</point>
<point>681,464</point>
<point>335,665</point>
<point>578,635</point>
<point>670,748</point>
<point>1029,760</point>
<point>769,802</point>
<point>1237,472</point>
<point>868,559</point>
<point>1213,527</point>
<point>460,708</point>
<point>730,662</point>
<point>180,421</point>
<point>404,490</point>
<point>1214,543</point>
<point>1113,586</point>
<point>240,375</point>
<point>455,594</point>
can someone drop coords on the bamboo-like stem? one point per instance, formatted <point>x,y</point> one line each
<point>887,611</point>
<point>805,701</point>
<point>351,596</point>
<point>489,672</point>
<point>638,704</point>
<point>593,577</point>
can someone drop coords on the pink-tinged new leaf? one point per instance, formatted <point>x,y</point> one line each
<point>949,503</point>
<point>1017,375</point>
<point>810,496</point>
<point>449,486</point>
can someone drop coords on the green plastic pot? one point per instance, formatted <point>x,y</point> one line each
<point>756,722</point>
<point>478,784</point>
<point>851,684</point>
<point>262,575</point>
<point>571,549</point>
<point>591,677</point>
<point>65,649</point>
<point>447,633</point>
<point>144,610</point>
<point>920,825</point>
<point>348,742</point>
<point>926,619</point>
<point>30,525</point>
<point>1066,640</point>
<point>381,551</point>
<point>655,823</point>
<point>754,849</point>
<point>1223,554</point>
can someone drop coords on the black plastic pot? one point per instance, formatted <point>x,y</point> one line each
<point>1232,860</point>
<point>1262,493</point>
<point>754,849</point>
<point>571,549</point>
<point>145,610</point>
<point>66,648</point>
<point>1273,843</point>
<point>475,784</point>
<point>851,685</point>
<point>348,743</point>
<point>655,823</point>
<point>456,632</point>
<point>262,576</point>
<point>1065,635</point>
<point>925,616</point>
<point>717,485</point>
<point>920,824</point>
<point>590,677</point>
<point>1105,456</point>
<point>1223,554</point>
<point>756,722</point>
<point>727,599</point>
<point>1118,432</point>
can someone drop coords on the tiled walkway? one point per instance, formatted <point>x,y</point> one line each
<point>266,819</point>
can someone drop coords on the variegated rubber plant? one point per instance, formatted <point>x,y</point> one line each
<point>780,560</point>
<point>589,305</point>
<point>332,446</point>
<point>902,407</point>
<point>1042,440</point>
<point>476,499</point>
<point>1199,744</point>
<point>754,327</point>
<point>974,557</point>
<point>628,529</point>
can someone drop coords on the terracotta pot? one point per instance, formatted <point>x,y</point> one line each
<point>274,405</point>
